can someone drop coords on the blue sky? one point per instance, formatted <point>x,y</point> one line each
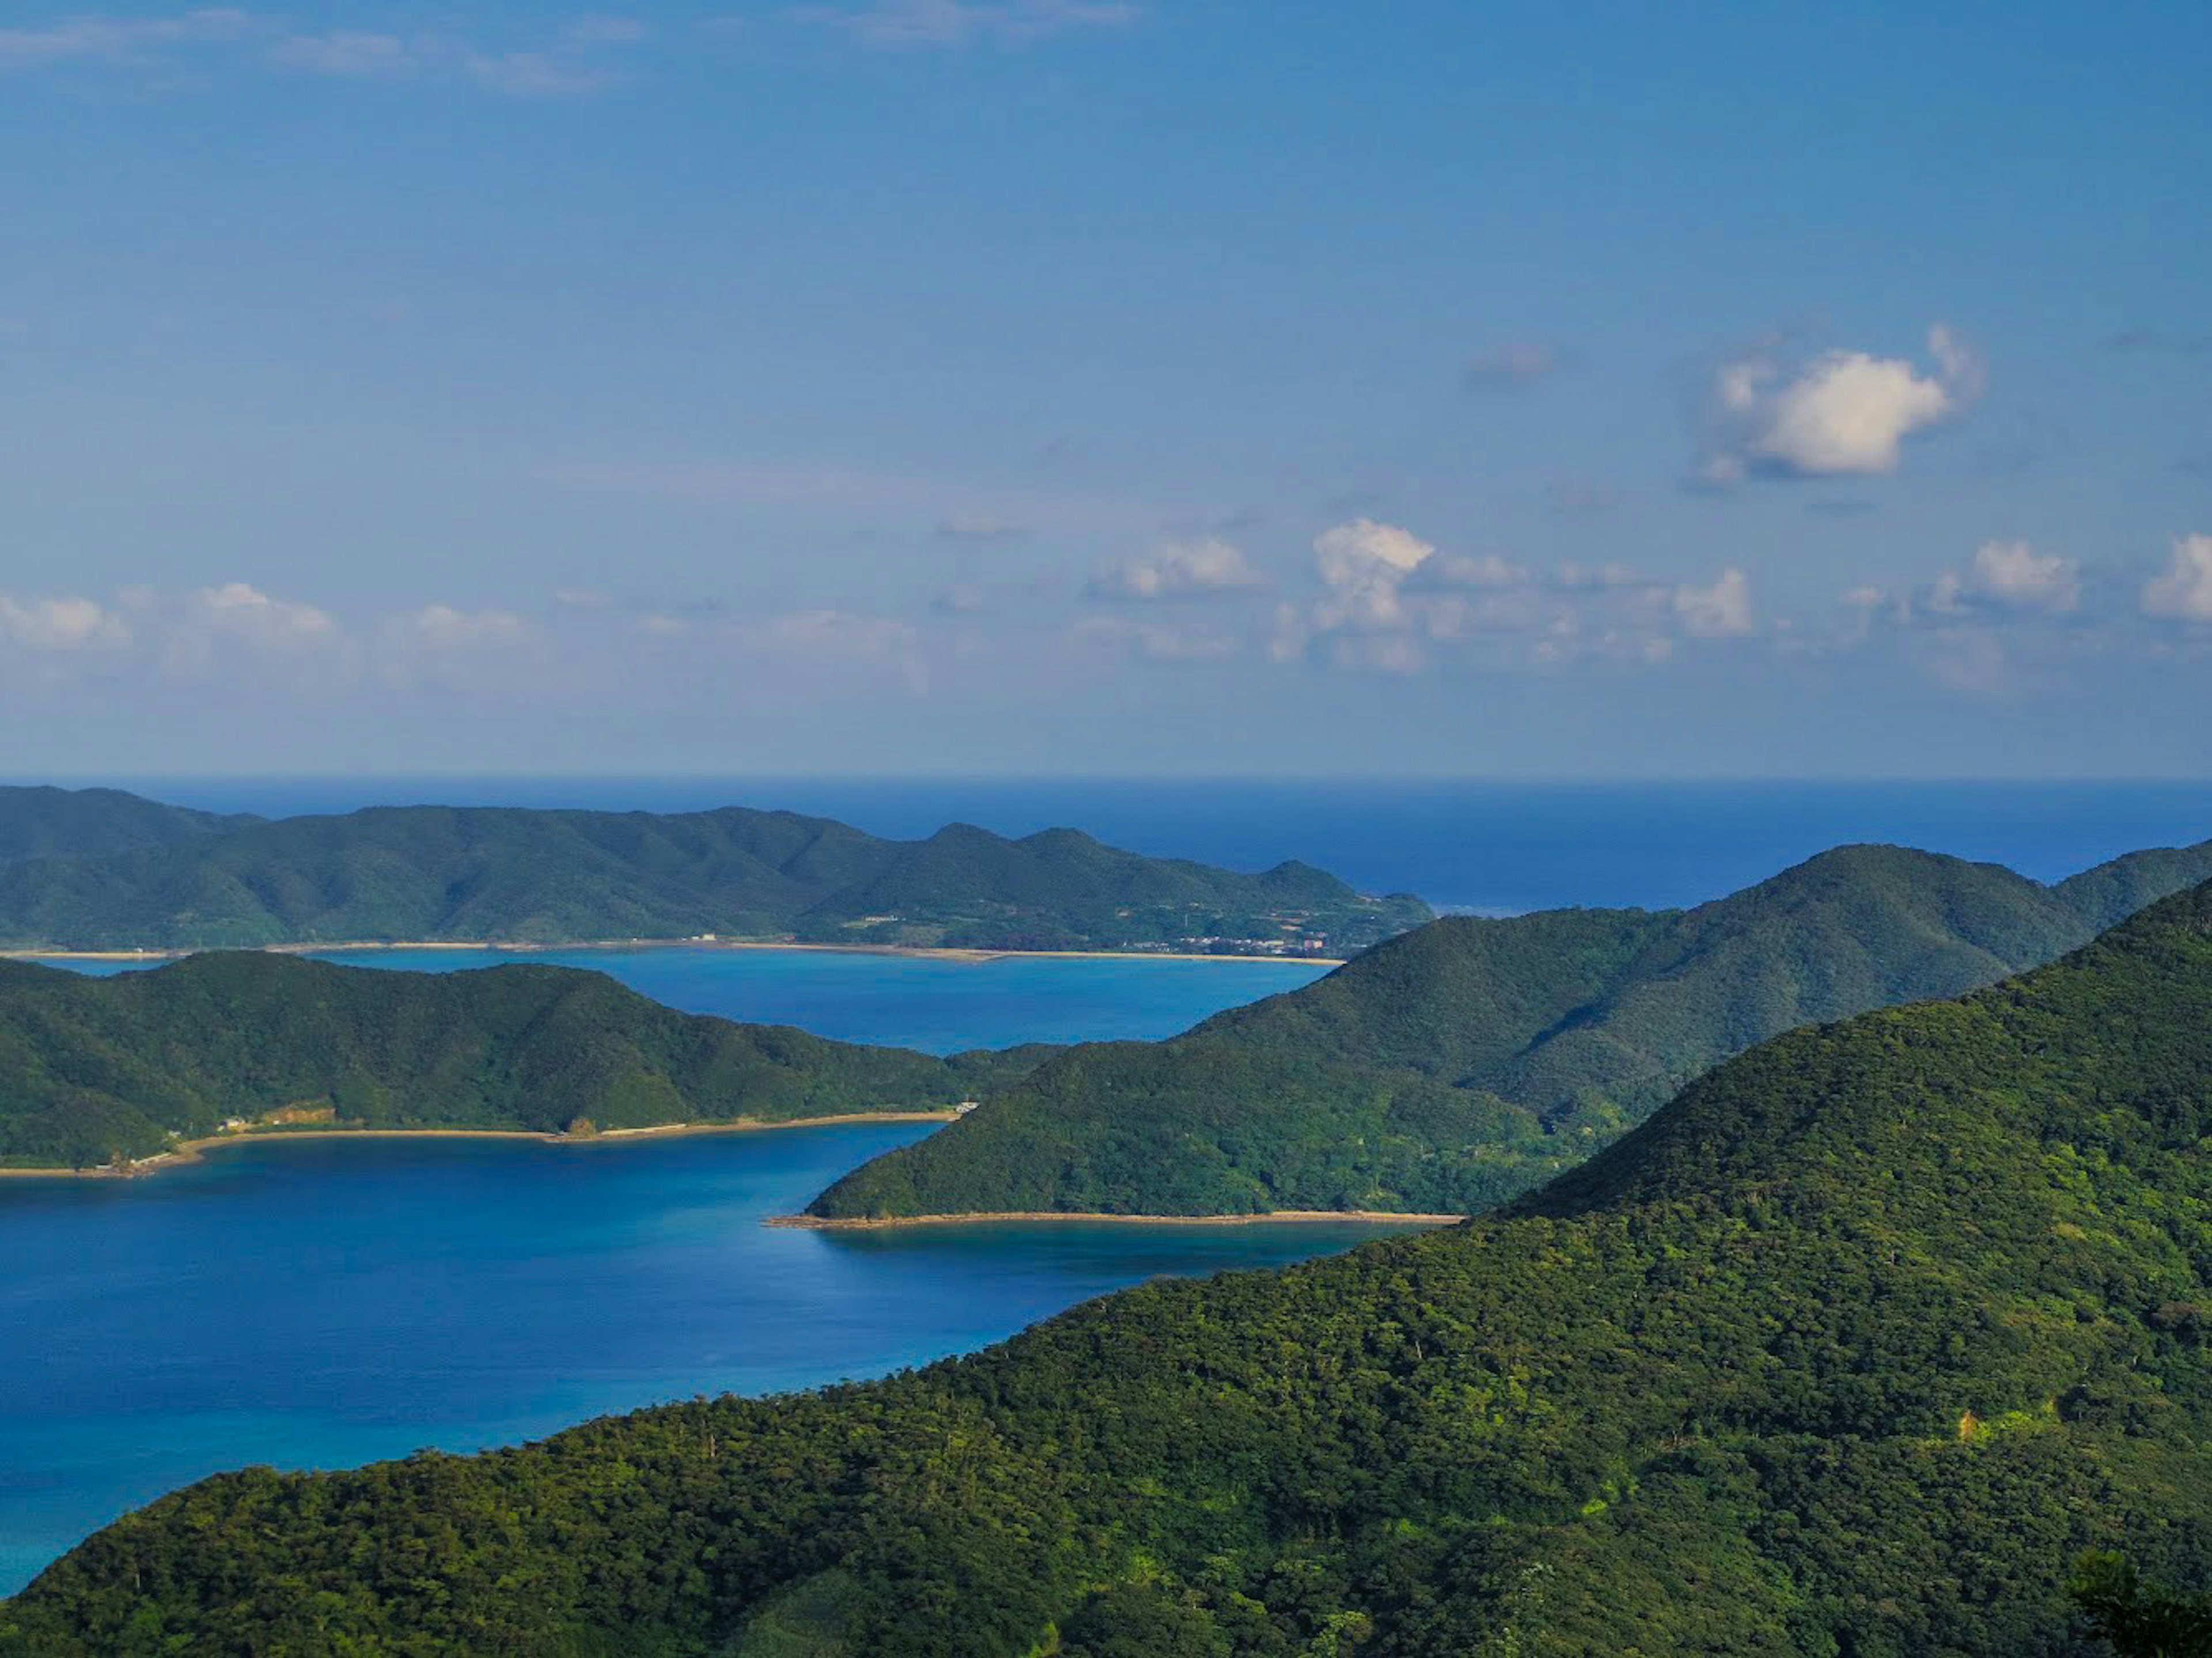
<point>1107,386</point>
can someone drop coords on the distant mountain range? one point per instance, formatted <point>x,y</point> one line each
<point>101,869</point>
<point>1451,1068</point>
<point>1851,1349</point>
<point>97,1070</point>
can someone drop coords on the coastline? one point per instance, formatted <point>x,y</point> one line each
<point>1288,1217</point>
<point>924,952</point>
<point>189,1151</point>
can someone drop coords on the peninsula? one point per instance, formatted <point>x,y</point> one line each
<point>1456,1066</point>
<point>114,1072</point>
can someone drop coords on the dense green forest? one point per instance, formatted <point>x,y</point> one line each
<point>1854,1350</point>
<point>1473,1059</point>
<point>95,1070</point>
<point>102,870</point>
<point>51,823</point>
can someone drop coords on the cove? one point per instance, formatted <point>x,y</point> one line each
<point>317,1303</point>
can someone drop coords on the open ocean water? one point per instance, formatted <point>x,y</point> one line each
<point>312,1303</point>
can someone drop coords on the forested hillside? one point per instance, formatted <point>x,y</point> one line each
<point>1473,1059</point>
<point>1853,1348</point>
<point>515,875</point>
<point>49,823</point>
<point>96,1069</point>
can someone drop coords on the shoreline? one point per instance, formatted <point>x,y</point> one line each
<point>190,1151</point>
<point>923,953</point>
<point>1287,1216</point>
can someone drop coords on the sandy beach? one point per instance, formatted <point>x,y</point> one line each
<point>814,1223</point>
<point>154,956</point>
<point>191,1151</point>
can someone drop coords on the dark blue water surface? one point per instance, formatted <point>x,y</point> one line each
<point>316,1303</point>
<point>1477,845</point>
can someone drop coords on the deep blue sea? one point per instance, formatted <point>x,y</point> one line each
<point>314,1304</point>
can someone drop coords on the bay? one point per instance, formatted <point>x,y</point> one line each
<point>318,1303</point>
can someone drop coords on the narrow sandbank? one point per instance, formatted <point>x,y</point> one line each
<point>362,946</point>
<point>1293,1217</point>
<point>190,1151</point>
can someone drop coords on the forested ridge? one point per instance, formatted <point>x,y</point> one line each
<point>1473,1059</point>
<point>93,1071</point>
<point>1851,1350</point>
<point>108,871</point>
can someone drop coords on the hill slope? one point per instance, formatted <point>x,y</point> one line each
<point>94,1070</point>
<point>1849,1351</point>
<point>1473,1059</point>
<point>510,874</point>
<point>48,822</point>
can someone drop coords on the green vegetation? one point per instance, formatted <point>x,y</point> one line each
<point>93,1071</point>
<point>484,873</point>
<point>1471,1059</point>
<point>1849,1352</point>
<point>50,822</point>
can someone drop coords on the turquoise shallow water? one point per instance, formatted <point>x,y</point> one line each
<point>314,1303</point>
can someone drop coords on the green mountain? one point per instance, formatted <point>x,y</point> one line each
<point>48,822</point>
<point>95,1070</point>
<point>509,874</point>
<point>1470,1060</point>
<point>1850,1351</point>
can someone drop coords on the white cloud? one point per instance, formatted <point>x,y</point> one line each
<point>962,22</point>
<point>1364,564</point>
<point>580,598</point>
<point>219,632</point>
<point>1841,413</point>
<point>1182,570</point>
<point>2009,576</point>
<point>60,624</point>
<point>1722,611</point>
<point>2183,592</point>
<point>1512,365</point>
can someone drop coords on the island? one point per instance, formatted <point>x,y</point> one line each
<point>105,871</point>
<point>1453,1067</point>
<point>130,1072</point>
<point>1875,1339</point>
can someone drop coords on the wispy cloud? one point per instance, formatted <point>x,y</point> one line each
<point>1511,366</point>
<point>578,56</point>
<point>1182,570</point>
<point>1391,602</point>
<point>2164,342</point>
<point>119,39</point>
<point>895,23</point>
<point>2182,592</point>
